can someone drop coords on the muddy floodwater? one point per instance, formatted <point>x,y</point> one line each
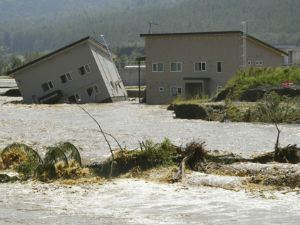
<point>132,201</point>
<point>130,123</point>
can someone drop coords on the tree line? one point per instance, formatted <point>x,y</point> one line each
<point>273,21</point>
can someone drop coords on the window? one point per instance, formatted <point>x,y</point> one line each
<point>112,84</point>
<point>176,91</point>
<point>219,67</point>
<point>200,66</point>
<point>84,69</point>
<point>81,70</point>
<point>179,91</point>
<point>87,68</point>
<point>176,67</point>
<point>50,84</point>
<point>90,91</point>
<point>65,78</point>
<point>47,86</point>
<point>249,63</point>
<point>157,67</point>
<point>161,89</point>
<point>259,63</point>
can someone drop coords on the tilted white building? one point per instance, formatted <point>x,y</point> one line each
<point>81,72</point>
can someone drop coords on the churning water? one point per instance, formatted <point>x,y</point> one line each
<point>135,201</point>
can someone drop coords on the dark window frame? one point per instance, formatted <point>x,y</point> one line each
<point>219,67</point>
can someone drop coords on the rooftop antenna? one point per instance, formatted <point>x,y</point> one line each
<point>244,55</point>
<point>150,26</point>
<point>109,53</point>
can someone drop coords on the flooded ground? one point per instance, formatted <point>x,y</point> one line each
<point>129,201</point>
<point>141,202</point>
<point>130,123</point>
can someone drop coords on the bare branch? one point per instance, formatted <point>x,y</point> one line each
<point>104,135</point>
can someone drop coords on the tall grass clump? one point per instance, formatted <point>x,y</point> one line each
<point>58,161</point>
<point>149,156</point>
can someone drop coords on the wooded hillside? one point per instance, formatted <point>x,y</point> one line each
<point>39,25</point>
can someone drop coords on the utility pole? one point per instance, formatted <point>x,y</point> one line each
<point>244,55</point>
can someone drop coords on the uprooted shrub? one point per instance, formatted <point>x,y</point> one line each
<point>62,160</point>
<point>20,157</point>
<point>196,155</point>
<point>288,154</point>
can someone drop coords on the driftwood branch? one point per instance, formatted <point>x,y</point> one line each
<point>115,140</point>
<point>278,134</point>
<point>181,169</point>
<point>104,135</point>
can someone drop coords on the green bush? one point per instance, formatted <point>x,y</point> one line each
<point>150,156</point>
<point>255,77</point>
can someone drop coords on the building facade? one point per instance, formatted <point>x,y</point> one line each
<point>130,75</point>
<point>81,72</point>
<point>190,64</point>
<point>293,54</point>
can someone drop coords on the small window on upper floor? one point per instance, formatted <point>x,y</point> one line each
<point>249,62</point>
<point>259,63</point>
<point>87,68</point>
<point>112,84</point>
<point>157,67</point>
<point>84,69</point>
<point>47,86</point>
<point>65,77</point>
<point>219,67</point>
<point>176,67</point>
<point>69,77</point>
<point>200,66</point>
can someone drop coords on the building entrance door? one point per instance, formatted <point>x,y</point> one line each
<point>193,90</point>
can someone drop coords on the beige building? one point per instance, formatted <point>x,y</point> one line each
<point>81,72</point>
<point>189,64</point>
